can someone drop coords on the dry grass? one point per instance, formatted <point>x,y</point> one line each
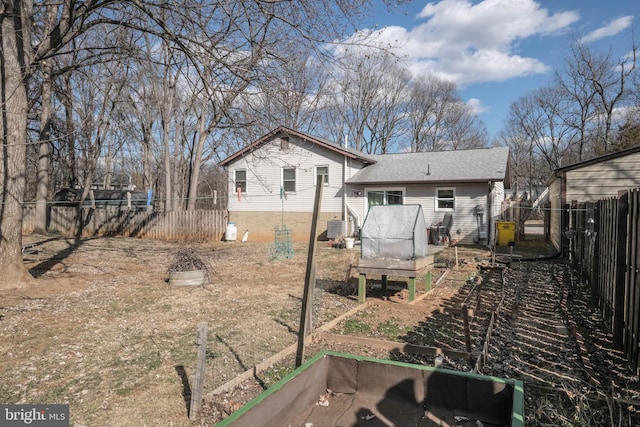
<point>104,332</point>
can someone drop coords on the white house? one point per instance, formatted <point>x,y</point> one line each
<point>272,183</point>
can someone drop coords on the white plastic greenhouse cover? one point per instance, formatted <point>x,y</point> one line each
<point>394,232</point>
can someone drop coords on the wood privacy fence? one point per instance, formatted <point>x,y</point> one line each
<point>603,239</point>
<point>183,226</point>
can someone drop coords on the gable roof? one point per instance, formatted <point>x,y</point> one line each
<point>595,160</point>
<point>477,165</point>
<point>348,152</point>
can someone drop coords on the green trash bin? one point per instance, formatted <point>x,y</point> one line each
<point>506,232</point>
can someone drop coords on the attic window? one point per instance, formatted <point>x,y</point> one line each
<point>284,143</point>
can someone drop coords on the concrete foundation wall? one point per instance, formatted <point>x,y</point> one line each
<point>261,225</point>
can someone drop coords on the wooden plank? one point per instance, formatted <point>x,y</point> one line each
<point>635,304</point>
<point>362,288</point>
<point>199,225</point>
<point>309,275</point>
<point>389,272</point>
<point>196,390</point>
<point>397,346</point>
<point>427,281</point>
<point>595,273</point>
<point>431,310</point>
<point>467,332</point>
<point>395,264</point>
<point>620,271</point>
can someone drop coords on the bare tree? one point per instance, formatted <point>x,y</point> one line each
<point>15,43</point>
<point>439,119</point>
<point>529,170</point>
<point>290,93</point>
<point>237,34</point>
<point>367,99</point>
<point>386,122</point>
<point>538,117</point>
<point>574,84</point>
<point>608,78</point>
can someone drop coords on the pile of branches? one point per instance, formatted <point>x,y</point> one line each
<point>188,260</point>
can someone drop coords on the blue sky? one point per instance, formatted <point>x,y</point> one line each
<point>498,50</point>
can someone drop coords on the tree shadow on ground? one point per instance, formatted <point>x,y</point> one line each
<point>73,243</point>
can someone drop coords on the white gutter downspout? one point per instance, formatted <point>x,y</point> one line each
<point>356,218</point>
<point>344,189</point>
<point>348,211</point>
<point>491,216</point>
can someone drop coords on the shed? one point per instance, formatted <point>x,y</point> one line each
<point>590,180</point>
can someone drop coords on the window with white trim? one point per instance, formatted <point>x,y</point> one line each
<point>385,196</point>
<point>241,180</point>
<point>289,179</point>
<point>324,171</point>
<point>445,199</point>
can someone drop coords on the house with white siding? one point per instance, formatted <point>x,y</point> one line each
<point>272,184</point>
<point>590,180</point>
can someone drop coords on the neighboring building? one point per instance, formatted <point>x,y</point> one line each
<point>272,183</point>
<point>123,199</point>
<point>590,180</point>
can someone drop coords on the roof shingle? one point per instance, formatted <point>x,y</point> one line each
<point>485,164</point>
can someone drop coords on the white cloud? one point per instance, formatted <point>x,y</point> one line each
<point>491,24</point>
<point>471,43</point>
<point>610,29</point>
<point>477,106</point>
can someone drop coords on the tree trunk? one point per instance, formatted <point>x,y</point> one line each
<point>42,189</point>
<point>168,187</point>
<point>67,101</point>
<point>196,164</point>
<point>13,129</point>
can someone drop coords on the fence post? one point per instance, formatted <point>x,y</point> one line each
<point>621,262</point>
<point>596,254</point>
<point>196,392</point>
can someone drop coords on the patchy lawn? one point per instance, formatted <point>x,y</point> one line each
<point>103,331</point>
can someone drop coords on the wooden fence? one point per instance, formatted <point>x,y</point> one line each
<point>184,226</point>
<point>603,239</point>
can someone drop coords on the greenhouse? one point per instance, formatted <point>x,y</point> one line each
<point>394,232</point>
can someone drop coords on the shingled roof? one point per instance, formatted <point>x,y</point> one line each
<point>282,130</point>
<point>485,164</point>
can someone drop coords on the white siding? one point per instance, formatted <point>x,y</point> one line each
<point>496,207</point>
<point>465,221</point>
<point>603,179</point>
<point>264,166</point>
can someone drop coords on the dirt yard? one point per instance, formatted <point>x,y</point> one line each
<point>103,330</point>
